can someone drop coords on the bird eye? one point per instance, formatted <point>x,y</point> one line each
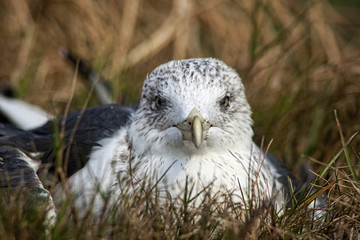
<point>225,102</point>
<point>158,102</point>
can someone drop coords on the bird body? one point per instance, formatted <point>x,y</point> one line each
<point>192,127</point>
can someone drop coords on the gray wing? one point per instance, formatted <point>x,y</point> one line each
<point>82,131</point>
<point>300,188</point>
<point>19,180</point>
<point>284,174</point>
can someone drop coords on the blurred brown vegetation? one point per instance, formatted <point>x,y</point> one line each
<point>299,60</point>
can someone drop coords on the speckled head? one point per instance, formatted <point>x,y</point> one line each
<point>208,85</point>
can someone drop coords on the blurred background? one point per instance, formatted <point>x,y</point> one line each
<point>299,60</point>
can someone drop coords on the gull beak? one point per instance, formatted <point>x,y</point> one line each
<point>196,131</point>
<point>195,128</point>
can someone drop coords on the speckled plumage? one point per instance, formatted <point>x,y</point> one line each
<point>113,144</point>
<point>151,147</point>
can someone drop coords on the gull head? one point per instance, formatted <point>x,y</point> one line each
<point>191,106</point>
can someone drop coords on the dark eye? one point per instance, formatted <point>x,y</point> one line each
<point>158,102</point>
<point>225,102</point>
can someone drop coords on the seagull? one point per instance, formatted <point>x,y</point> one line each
<point>192,127</point>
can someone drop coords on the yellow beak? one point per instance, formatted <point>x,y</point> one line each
<point>195,128</point>
<point>197,131</point>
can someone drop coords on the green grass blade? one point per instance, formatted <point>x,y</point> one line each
<point>332,161</point>
<point>346,151</point>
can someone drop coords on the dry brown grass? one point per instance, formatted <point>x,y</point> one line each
<point>299,61</point>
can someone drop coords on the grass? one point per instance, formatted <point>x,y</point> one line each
<point>298,60</point>
<point>143,216</point>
